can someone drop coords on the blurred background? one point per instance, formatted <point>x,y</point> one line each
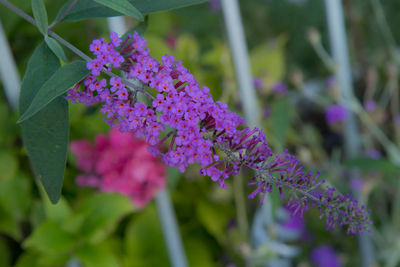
<point>301,110</point>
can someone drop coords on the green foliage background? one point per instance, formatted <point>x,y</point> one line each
<point>106,229</point>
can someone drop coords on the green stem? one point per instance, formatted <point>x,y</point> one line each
<point>71,47</point>
<point>354,105</point>
<point>240,202</point>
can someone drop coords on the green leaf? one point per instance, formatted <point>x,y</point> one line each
<point>40,15</point>
<point>8,223</point>
<point>96,256</point>
<point>50,238</point>
<point>214,217</point>
<point>45,134</point>
<point>280,119</point>
<point>102,214</point>
<point>198,251</point>
<point>140,28</point>
<point>123,7</point>
<point>90,9</point>
<point>5,259</point>
<point>28,259</point>
<point>370,164</point>
<point>268,61</point>
<point>59,83</point>
<point>8,165</point>
<point>56,48</point>
<point>143,238</point>
<point>58,212</point>
<point>17,186</point>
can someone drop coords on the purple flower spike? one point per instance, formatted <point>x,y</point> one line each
<point>183,125</point>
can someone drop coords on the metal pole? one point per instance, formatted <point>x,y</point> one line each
<point>8,71</point>
<point>338,41</point>
<point>237,41</point>
<point>170,229</point>
<point>164,206</point>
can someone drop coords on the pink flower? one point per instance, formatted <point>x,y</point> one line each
<point>84,153</point>
<point>119,163</point>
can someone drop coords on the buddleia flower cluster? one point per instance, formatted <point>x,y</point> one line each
<point>183,125</point>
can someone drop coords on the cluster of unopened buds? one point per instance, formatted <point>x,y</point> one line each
<point>183,125</point>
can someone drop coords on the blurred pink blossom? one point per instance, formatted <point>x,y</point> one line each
<point>119,163</point>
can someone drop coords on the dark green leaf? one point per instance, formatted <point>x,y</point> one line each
<point>50,238</point>
<point>89,9</point>
<point>123,7</point>
<point>56,48</point>
<point>63,79</point>
<point>370,164</point>
<point>40,15</point>
<point>45,134</point>
<point>5,259</point>
<point>280,119</point>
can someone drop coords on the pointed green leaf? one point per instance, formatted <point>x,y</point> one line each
<point>122,6</point>
<point>59,83</point>
<point>84,9</point>
<point>45,134</point>
<point>40,15</point>
<point>56,48</point>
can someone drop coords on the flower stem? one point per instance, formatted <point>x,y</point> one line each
<point>240,204</point>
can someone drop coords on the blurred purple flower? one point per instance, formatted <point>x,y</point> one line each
<point>335,113</point>
<point>370,105</point>
<point>330,81</point>
<point>356,183</point>
<point>258,83</point>
<point>325,256</point>
<point>397,119</point>
<point>279,88</point>
<point>295,223</point>
<point>373,153</point>
<point>215,5</point>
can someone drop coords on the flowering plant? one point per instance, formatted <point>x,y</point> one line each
<point>184,125</point>
<point>181,124</point>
